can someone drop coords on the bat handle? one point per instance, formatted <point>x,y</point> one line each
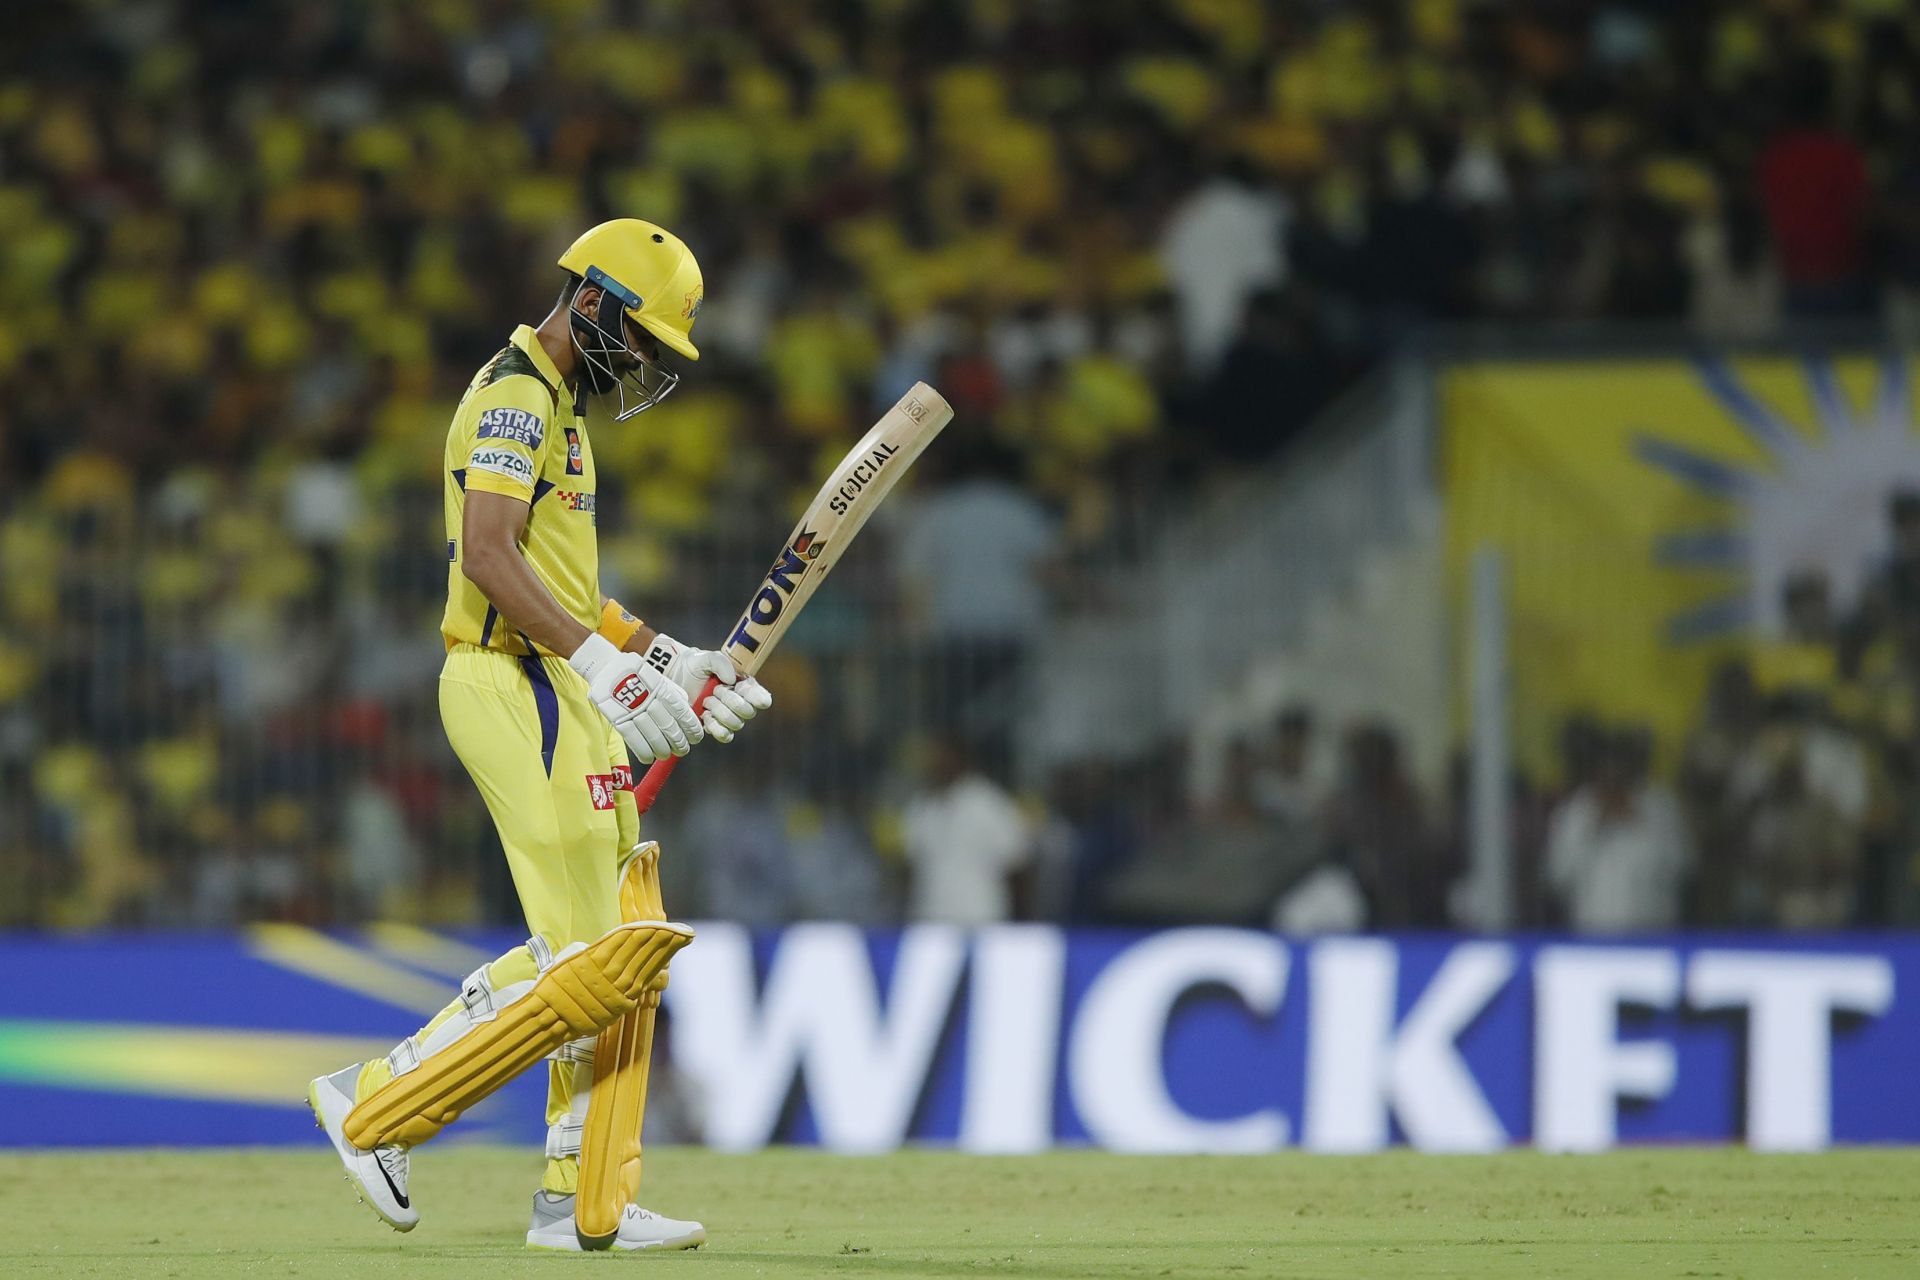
<point>647,790</point>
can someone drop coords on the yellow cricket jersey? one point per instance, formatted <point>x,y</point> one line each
<point>518,433</point>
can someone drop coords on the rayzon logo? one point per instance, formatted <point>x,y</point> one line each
<point>861,476</point>
<point>778,588</point>
<point>502,462</point>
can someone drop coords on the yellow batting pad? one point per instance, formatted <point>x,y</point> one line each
<point>503,1031</point>
<point>617,1103</point>
<point>640,885</point>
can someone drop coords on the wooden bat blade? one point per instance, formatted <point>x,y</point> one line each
<point>843,505</point>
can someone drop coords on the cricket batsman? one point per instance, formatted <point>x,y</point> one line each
<point>549,688</point>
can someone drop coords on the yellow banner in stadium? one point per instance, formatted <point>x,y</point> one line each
<point>1649,513</point>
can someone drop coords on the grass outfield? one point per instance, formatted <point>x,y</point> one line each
<point>795,1213</point>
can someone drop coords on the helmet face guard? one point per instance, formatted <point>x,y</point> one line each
<point>608,363</point>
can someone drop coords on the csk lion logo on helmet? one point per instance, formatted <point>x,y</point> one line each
<point>691,311</point>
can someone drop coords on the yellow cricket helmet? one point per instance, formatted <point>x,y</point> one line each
<point>652,273</point>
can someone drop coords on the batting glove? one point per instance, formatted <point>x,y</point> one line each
<point>649,709</point>
<point>733,702</point>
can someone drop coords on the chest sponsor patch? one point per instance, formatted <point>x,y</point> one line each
<point>575,462</point>
<point>516,425</point>
<point>503,462</point>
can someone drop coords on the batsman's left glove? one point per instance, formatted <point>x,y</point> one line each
<point>733,702</point>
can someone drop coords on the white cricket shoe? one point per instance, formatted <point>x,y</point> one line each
<point>552,1227</point>
<point>380,1175</point>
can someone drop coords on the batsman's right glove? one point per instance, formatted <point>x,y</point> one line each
<point>650,710</point>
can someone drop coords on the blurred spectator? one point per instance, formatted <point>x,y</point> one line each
<point>973,559</point>
<point>1736,288</point>
<point>1617,849</point>
<point>1092,839</point>
<point>966,842</point>
<point>1804,786</point>
<point>1326,900</point>
<point>1802,848</point>
<point>1528,813</point>
<point>1803,663</point>
<point>1222,242</point>
<point>1709,763</point>
<point>1375,825</point>
<point>1893,593</point>
<point>1227,865</point>
<point>1285,783</point>
<point>1583,749</point>
<point>834,871</point>
<point>737,830</point>
<point>1814,181</point>
<point>1274,378</point>
<point>33,874</point>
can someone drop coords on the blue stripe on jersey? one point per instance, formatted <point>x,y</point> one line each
<point>486,632</point>
<point>547,703</point>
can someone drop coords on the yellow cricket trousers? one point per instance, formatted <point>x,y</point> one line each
<point>554,775</point>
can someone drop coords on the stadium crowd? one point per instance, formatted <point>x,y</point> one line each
<point>253,250</point>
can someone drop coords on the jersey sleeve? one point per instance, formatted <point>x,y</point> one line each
<point>511,421</point>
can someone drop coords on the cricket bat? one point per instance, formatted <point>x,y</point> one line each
<point>844,503</point>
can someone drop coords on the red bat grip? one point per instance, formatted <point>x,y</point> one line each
<point>647,790</point>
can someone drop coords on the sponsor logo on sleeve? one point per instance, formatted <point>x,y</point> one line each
<point>516,425</point>
<point>503,462</point>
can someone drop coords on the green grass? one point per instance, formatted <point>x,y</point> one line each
<point>794,1213</point>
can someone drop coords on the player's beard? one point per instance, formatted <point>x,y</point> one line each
<point>597,357</point>
<point>608,365</point>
